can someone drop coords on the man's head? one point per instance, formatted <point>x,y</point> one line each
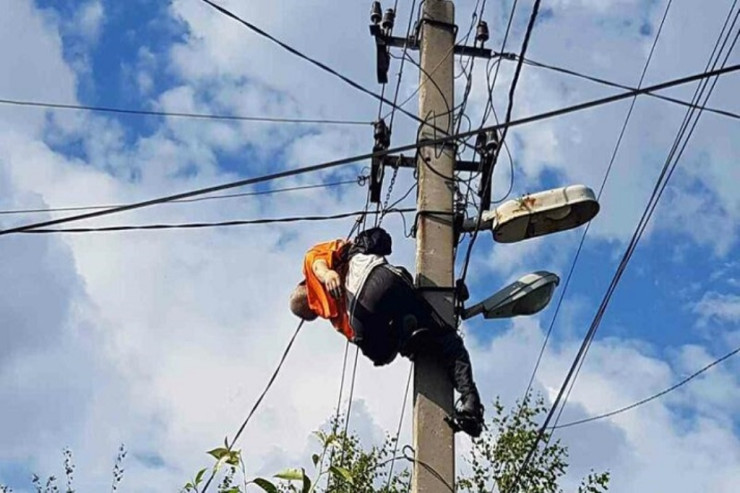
<point>299,303</point>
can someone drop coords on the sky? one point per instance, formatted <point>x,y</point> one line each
<point>162,340</point>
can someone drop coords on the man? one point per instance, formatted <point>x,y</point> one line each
<point>376,306</point>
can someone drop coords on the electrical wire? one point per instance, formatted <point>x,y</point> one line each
<point>400,425</point>
<point>665,175</point>
<point>359,180</point>
<point>361,157</point>
<point>221,224</point>
<point>670,165</point>
<point>652,397</point>
<point>512,90</point>
<point>335,424</point>
<point>359,223</point>
<point>349,402</point>
<point>399,78</point>
<point>403,60</point>
<point>307,58</point>
<point>605,82</point>
<point>177,114</point>
<point>617,146</point>
<point>492,85</point>
<point>230,446</point>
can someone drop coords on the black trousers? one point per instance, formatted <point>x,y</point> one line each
<point>382,329</point>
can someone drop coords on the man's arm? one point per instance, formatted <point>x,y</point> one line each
<point>328,277</point>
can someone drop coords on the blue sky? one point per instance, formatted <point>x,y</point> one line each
<point>161,340</point>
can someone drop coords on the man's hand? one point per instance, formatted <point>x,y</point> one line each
<point>333,283</point>
<point>330,278</point>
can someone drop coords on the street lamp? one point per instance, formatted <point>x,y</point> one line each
<point>525,296</point>
<point>539,214</point>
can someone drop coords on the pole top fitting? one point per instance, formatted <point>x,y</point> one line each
<point>376,13</point>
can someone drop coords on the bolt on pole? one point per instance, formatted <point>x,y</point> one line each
<point>434,468</point>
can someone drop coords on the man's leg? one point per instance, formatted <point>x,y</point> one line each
<point>410,314</point>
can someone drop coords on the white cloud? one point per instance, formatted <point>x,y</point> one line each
<point>164,340</point>
<point>90,19</point>
<point>721,307</point>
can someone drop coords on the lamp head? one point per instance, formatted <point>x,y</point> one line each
<point>526,296</point>
<point>542,213</point>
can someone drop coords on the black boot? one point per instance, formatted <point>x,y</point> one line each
<point>469,416</point>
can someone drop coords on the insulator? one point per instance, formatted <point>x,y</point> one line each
<point>389,20</point>
<point>482,33</point>
<point>481,141</point>
<point>494,141</point>
<point>376,13</point>
<point>382,134</point>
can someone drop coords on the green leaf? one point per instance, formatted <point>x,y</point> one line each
<point>342,473</point>
<point>199,476</point>
<point>315,458</point>
<point>291,474</point>
<point>265,485</point>
<point>232,458</point>
<point>218,453</point>
<point>306,484</point>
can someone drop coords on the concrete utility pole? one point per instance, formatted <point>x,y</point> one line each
<point>434,470</point>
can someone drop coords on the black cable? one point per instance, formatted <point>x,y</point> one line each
<point>200,199</point>
<point>221,224</point>
<point>353,159</point>
<point>601,190</point>
<point>230,445</point>
<point>177,114</point>
<point>313,61</point>
<point>660,185</point>
<point>400,425</point>
<point>359,223</point>
<point>349,402</point>
<point>674,155</point>
<point>403,61</point>
<point>511,165</point>
<point>492,85</point>
<point>467,70</point>
<point>652,397</point>
<point>429,74</point>
<point>487,179</point>
<point>449,109</point>
<point>605,82</point>
<point>399,78</point>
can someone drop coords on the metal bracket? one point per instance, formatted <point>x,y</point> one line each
<point>383,43</point>
<point>487,145</point>
<point>378,163</point>
<point>410,162</point>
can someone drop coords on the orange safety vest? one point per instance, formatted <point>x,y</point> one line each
<point>319,299</point>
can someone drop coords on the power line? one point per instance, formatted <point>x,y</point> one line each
<point>403,61</point>
<point>674,155</point>
<point>361,157</point>
<point>652,397</point>
<point>177,114</point>
<point>492,85</point>
<point>200,199</point>
<point>605,82</point>
<point>349,401</point>
<point>617,146</point>
<point>230,446</point>
<point>400,425</point>
<point>221,224</point>
<point>487,179</point>
<point>311,60</point>
<point>660,185</point>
